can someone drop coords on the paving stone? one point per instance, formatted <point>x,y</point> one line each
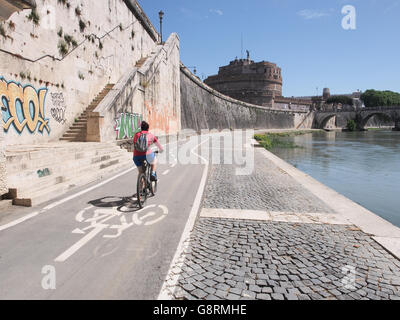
<point>263,296</point>
<point>255,288</point>
<point>200,294</point>
<point>277,296</point>
<point>249,294</point>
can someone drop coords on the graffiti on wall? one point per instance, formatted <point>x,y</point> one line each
<point>161,119</point>
<point>59,107</point>
<point>127,125</point>
<point>43,173</point>
<point>23,107</point>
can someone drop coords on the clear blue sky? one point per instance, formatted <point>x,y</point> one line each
<point>304,37</point>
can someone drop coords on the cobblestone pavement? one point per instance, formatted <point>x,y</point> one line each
<point>267,188</point>
<point>227,258</point>
<point>239,259</point>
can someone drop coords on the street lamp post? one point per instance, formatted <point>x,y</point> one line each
<point>161,14</point>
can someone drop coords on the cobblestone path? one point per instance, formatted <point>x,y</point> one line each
<point>247,259</point>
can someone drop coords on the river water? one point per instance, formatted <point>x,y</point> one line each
<point>363,166</point>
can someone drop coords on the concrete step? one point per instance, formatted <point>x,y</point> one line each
<point>80,131</point>
<point>69,171</point>
<point>5,205</point>
<point>41,158</point>
<point>24,168</point>
<point>49,193</point>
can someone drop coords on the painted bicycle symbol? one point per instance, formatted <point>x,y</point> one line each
<point>113,222</point>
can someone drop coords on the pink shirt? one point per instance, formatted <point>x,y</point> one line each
<point>151,138</point>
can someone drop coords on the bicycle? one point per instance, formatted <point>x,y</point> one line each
<point>145,186</point>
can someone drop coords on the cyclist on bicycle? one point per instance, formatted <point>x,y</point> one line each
<point>142,141</point>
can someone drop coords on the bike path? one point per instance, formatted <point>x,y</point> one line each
<point>98,245</point>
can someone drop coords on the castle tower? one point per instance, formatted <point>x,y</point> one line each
<point>257,83</point>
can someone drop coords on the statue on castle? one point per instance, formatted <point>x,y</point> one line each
<point>248,54</point>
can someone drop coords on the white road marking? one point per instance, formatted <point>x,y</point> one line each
<point>172,279</point>
<point>18,221</point>
<point>165,172</point>
<point>64,256</point>
<point>57,203</point>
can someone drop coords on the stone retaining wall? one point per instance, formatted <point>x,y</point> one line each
<point>60,56</point>
<point>204,108</point>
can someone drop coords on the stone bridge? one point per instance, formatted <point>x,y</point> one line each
<point>360,116</point>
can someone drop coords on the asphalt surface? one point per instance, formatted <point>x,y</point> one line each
<point>98,244</point>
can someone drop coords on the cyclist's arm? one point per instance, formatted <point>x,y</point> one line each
<point>159,146</point>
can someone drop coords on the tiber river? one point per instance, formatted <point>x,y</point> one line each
<point>363,166</point>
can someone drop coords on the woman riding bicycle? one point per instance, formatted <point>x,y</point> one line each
<point>142,141</point>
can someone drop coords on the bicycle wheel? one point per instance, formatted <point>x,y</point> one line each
<point>153,188</point>
<point>141,190</point>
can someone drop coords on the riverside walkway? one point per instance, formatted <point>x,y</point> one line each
<point>277,234</point>
<point>272,233</point>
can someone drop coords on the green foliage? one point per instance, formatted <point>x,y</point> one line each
<point>351,125</point>
<point>2,31</point>
<point>275,140</point>
<point>374,98</point>
<point>60,32</point>
<point>34,17</point>
<point>82,25</point>
<point>22,75</point>
<point>68,39</point>
<point>62,47</point>
<point>340,99</point>
<point>78,11</point>
<point>65,2</point>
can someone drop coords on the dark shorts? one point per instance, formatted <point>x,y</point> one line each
<point>138,160</point>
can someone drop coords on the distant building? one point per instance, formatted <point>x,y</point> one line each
<point>258,83</point>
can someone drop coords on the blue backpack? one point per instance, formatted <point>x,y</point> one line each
<point>141,144</point>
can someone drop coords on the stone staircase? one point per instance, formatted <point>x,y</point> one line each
<point>40,173</point>
<point>77,132</point>
<point>140,62</point>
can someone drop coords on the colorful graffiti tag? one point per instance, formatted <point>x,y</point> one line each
<point>59,107</point>
<point>127,125</point>
<point>23,107</point>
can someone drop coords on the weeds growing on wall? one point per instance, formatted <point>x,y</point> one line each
<point>62,47</point>
<point>11,25</point>
<point>60,32</point>
<point>34,17</point>
<point>65,2</point>
<point>82,25</point>
<point>2,31</point>
<point>78,11</point>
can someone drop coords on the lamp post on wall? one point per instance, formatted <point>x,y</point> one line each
<point>194,69</point>
<point>161,14</point>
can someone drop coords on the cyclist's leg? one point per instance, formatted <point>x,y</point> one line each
<point>151,158</point>
<point>138,160</point>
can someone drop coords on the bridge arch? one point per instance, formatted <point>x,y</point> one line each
<point>325,120</point>
<point>366,118</point>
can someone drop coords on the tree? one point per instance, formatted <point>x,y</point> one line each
<point>374,98</point>
<point>345,100</point>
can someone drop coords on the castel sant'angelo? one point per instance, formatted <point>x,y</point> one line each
<point>258,83</point>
